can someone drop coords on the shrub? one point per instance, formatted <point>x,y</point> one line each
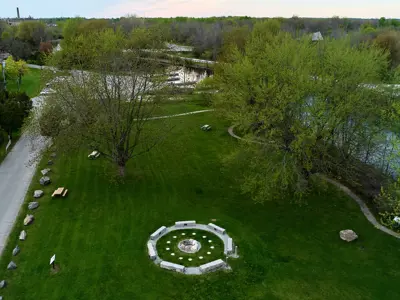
<point>388,202</point>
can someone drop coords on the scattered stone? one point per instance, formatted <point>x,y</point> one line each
<point>189,259</point>
<point>208,253</point>
<point>1,298</point>
<point>38,194</point>
<point>3,284</point>
<point>28,220</point>
<point>53,155</point>
<point>174,236</point>
<point>45,172</point>
<point>168,242</point>
<point>173,254</point>
<point>201,257</point>
<point>50,162</point>
<point>12,266</point>
<point>348,235</point>
<point>180,258</point>
<point>45,180</point>
<point>33,205</point>
<point>16,251</point>
<point>22,235</point>
<point>167,249</point>
<point>213,220</point>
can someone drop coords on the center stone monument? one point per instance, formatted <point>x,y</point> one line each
<point>189,246</point>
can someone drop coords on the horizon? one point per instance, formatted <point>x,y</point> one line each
<point>356,9</point>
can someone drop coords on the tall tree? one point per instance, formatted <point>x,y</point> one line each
<point>307,104</point>
<point>108,107</point>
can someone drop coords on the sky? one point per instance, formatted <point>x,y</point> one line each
<point>202,8</point>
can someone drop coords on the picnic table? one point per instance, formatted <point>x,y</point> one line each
<point>60,192</point>
<point>94,154</point>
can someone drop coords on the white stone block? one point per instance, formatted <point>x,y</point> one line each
<point>211,266</point>
<point>173,267</point>
<point>216,228</point>
<point>185,223</point>
<point>158,232</point>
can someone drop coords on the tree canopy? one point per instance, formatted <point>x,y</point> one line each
<point>312,106</point>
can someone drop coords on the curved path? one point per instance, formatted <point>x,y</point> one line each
<point>364,208</point>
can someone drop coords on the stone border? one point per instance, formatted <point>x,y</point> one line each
<point>226,239</point>
<point>364,208</point>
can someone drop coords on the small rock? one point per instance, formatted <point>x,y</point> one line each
<point>348,235</point>
<point>50,162</point>
<point>16,251</point>
<point>3,284</point>
<point>11,266</point>
<point>22,235</point>
<point>45,180</point>
<point>1,298</point>
<point>53,155</point>
<point>33,205</point>
<point>45,171</point>
<point>38,194</point>
<point>28,220</point>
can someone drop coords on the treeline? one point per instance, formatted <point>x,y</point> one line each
<point>29,40</point>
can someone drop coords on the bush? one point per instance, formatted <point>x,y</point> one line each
<point>388,202</point>
<point>3,137</point>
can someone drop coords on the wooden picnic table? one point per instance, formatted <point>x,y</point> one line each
<point>60,192</point>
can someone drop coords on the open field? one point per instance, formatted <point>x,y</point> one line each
<point>99,231</point>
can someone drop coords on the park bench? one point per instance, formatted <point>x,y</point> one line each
<point>152,251</point>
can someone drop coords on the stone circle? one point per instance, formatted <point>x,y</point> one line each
<point>3,284</point>
<point>191,244</point>
<point>348,235</point>
<point>16,251</point>
<point>22,235</point>
<point>12,266</point>
<point>38,194</point>
<point>28,220</point>
<point>33,205</point>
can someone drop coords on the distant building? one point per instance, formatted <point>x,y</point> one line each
<point>317,36</point>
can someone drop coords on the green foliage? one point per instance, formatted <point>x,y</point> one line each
<point>306,103</point>
<point>388,202</point>
<point>15,70</point>
<point>14,107</point>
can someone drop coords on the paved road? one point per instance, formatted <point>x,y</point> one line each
<point>16,173</point>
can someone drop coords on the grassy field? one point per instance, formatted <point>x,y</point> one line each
<point>31,83</point>
<point>99,232</point>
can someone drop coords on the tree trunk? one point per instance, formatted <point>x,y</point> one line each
<point>121,170</point>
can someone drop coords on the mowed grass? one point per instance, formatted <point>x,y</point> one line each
<point>31,83</point>
<point>99,232</point>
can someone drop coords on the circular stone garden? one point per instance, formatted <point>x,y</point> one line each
<point>190,247</point>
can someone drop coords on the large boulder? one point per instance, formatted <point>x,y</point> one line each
<point>38,194</point>
<point>50,162</point>
<point>28,220</point>
<point>12,266</point>
<point>22,235</point>
<point>45,171</point>
<point>45,180</point>
<point>3,284</point>
<point>33,205</point>
<point>16,251</point>
<point>348,235</point>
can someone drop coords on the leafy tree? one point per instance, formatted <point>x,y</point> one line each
<point>108,108</point>
<point>14,107</point>
<point>33,32</point>
<point>382,22</point>
<point>15,69</point>
<point>306,104</point>
<point>390,41</point>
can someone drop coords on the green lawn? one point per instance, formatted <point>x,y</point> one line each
<point>31,83</point>
<point>99,232</point>
<point>212,248</point>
